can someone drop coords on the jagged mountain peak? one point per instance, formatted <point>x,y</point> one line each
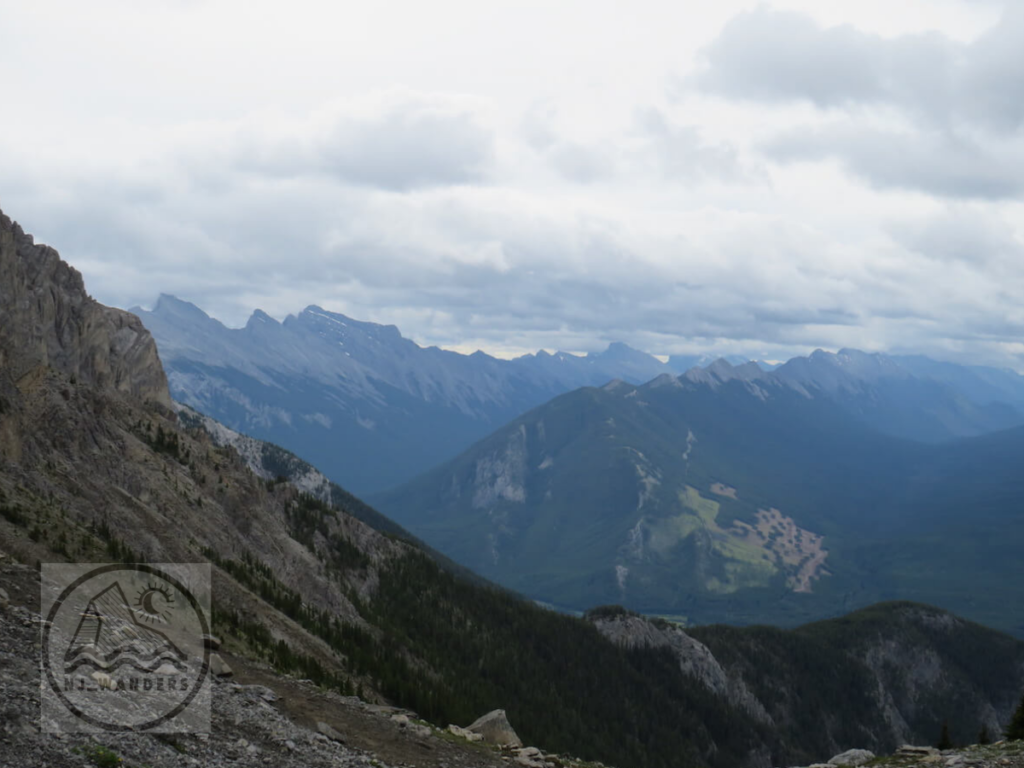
<point>834,368</point>
<point>721,371</point>
<point>168,302</point>
<point>618,386</point>
<point>664,380</point>
<point>260,319</point>
<point>338,323</point>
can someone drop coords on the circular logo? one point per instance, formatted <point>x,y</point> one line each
<point>123,646</point>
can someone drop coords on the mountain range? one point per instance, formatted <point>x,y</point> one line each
<point>373,409</point>
<point>368,406</point>
<point>734,494</point>
<point>312,587</point>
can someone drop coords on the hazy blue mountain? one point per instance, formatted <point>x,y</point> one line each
<point>980,384</point>
<point>726,494</point>
<point>374,409</point>
<point>907,396</point>
<point>916,398</point>
<point>368,406</point>
<point>683,363</point>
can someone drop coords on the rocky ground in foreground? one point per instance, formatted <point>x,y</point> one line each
<point>259,718</point>
<point>1002,754</point>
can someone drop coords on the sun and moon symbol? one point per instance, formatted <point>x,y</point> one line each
<point>154,604</point>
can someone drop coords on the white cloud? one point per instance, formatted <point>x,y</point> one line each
<point>520,176</point>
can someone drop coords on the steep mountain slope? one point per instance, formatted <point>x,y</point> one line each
<point>727,499</point>
<point>369,407</point>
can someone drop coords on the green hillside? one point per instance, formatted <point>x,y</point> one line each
<point>736,503</point>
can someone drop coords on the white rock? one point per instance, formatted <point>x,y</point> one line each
<point>103,680</point>
<point>464,733</point>
<point>852,757</point>
<point>219,667</point>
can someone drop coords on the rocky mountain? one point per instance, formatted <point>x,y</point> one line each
<point>366,405</point>
<point>373,409</point>
<point>47,320</point>
<point>683,363</point>
<point>317,597</point>
<point>728,494</point>
<point>885,676</point>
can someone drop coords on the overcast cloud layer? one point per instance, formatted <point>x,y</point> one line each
<point>733,177</point>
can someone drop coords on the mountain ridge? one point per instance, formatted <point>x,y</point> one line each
<point>724,499</point>
<point>319,382</point>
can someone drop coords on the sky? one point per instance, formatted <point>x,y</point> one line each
<point>722,177</point>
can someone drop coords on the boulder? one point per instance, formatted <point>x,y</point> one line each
<point>5,600</point>
<point>495,728</point>
<point>329,732</point>
<point>464,733</point>
<point>219,667</point>
<point>212,642</point>
<point>852,757</point>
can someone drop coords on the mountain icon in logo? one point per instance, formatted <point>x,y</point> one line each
<point>112,634</point>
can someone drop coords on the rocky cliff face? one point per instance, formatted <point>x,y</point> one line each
<point>96,466</point>
<point>878,678</point>
<point>695,658</point>
<point>48,320</point>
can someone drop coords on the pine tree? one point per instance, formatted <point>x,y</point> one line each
<point>945,742</point>
<point>1015,731</point>
<point>983,735</point>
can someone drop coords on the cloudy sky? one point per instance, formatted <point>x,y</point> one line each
<point>742,177</point>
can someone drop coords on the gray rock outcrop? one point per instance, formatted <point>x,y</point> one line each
<point>496,729</point>
<point>48,320</point>
<point>695,659</point>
